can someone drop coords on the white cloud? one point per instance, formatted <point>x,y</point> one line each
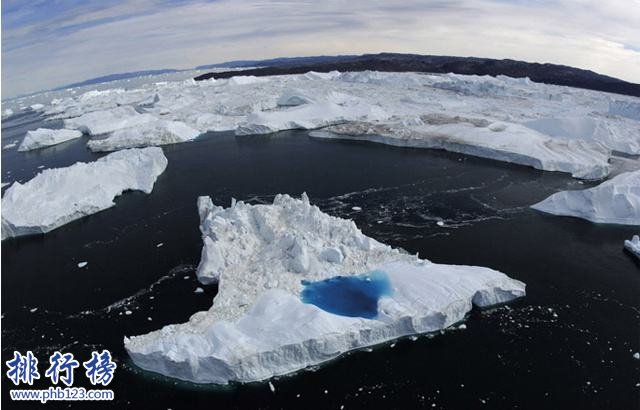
<point>602,36</point>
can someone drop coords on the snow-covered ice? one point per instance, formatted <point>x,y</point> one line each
<point>159,132</point>
<point>548,127</point>
<point>58,196</point>
<point>615,201</point>
<point>44,137</point>
<point>476,136</point>
<point>633,245</point>
<point>259,326</point>
<point>309,116</point>
<point>102,122</point>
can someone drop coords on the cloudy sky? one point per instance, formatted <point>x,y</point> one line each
<point>48,43</point>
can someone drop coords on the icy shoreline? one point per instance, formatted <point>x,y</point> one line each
<point>258,326</point>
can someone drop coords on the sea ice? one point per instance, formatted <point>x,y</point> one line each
<point>616,201</point>
<point>262,323</point>
<point>159,132</point>
<point>308,116</point>
<point>44,137</point>
<point>476,136</point>
<point>548,127</point>
<point>102,122</point>
<point>58,196</point>
<point>633,245</point>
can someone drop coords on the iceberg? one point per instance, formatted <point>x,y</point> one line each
<point>298,287</point>
<point>616,201</point>
<point>501,141</point>
<point>627,109</point>
<point>633,245</point>
<point>553,128</point>
<point>44,137</point>
<point>159,132</point>
<point>103,122</point>
<point>58,196</point>
<point>308,116</point>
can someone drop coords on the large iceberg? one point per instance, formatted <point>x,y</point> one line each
<point>549,127</point>
<point>309,116</point>
<point>159,132</point>
<point>297,287</point>
<point>44,137</point>
<point>102,122</point>
<point>58,196</point>
<point>502,141</point>
<point>616,201</point>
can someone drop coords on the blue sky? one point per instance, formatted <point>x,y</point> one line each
<point>48,43</point>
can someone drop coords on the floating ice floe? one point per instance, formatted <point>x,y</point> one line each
<point>633,245</point>
<point>10,145</point>
<point>58,196</point>
<point>309,116</point>
<point>297,287</point>
<point>44,137</point>
<point>159,132</point>
<point>501,141</point>
<point>548,127</point>
<point>102,122</point>
<point>616,201</point>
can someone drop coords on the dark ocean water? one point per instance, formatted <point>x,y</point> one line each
<point>567,344</point>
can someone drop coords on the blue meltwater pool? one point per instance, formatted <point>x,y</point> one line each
<point>354,296</point>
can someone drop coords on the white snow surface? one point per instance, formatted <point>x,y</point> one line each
<point>58,196</point>
<point>615,201</point>
<point>549,127</point>
<point>44,137</point>
<point>633,245</point>
<point>258,326</point>
<point>159,132</point>
<point>102,122</point>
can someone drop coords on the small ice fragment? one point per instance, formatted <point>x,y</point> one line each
<point>356,208</point>
<point>40,166</point>
<point>159,245</point>
<point>83,264</point>
<point>462,327</point>
<point>636,355</point>
<point>440,223</point>
<point>198,290</point>
<point>186,277</point>
<point>127,312</point>
<point>33,310</point>
<point>149,319</point>
<point>272,387</point>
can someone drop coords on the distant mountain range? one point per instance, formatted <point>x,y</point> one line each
<point>542,73</point>
<point>120,76</point>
